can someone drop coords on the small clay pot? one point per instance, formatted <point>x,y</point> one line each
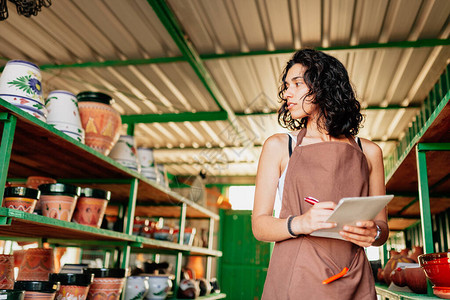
<point>58,200</point>
<point>72,286</point>
<point>416,280</point>
<point>91,207</point>
<point>398,277</point>
<point>392,264</point>
<point>21,198</point>
<point>108,283</point>
<point>42,290</point>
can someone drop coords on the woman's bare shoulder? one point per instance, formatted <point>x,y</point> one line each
<point>371,149</point>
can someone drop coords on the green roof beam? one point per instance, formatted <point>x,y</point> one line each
<point>180,117</point>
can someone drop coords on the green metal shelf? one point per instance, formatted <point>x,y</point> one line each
<point>383,291</point>
<point>40,149</point>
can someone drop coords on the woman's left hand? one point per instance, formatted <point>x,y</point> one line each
<point>363,234</point>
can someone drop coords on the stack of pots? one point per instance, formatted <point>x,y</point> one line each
<point>100,121</point>
<point>124,152</point>
<point>107,284</point>
<point>91,207</point>
<point>63,114</point>
<point>147,160</point>
<point>58,200</point>
<point>20,85</point>
<point>21,198</point>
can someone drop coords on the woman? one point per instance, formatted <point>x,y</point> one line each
<point>326,162</point>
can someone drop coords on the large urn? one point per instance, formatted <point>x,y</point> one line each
<point>101,123</point>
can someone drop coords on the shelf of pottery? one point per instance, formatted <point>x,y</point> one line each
<point>64,164</point>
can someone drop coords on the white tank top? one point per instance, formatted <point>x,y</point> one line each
<point>280,187</point>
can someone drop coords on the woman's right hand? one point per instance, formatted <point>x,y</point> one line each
<point>314,218</point>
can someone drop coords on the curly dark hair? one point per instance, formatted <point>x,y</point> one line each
<point>330,87</point>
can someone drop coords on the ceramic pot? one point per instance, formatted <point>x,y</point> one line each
<point>158,287</point>
<point>58,200</point>
<point>12,294</point>
<point>146,157</point>
<point>71,130</point>
<point>125,153</point>
<point>6,271</point>
<point>20,85</point>
<point>136,287</point>
<point>72,286</point>
<point>417,250</point>
<point>437,270</point>
<point>107,284</point>
<point>100,121</point>
<point>416,280</point>
<point>21,198</point>
<point>392,264</point>
<point>36,265</point>
<point>91,207</point>
<point>41,290</point>
<point>62,107</point>
<point>188,289</point>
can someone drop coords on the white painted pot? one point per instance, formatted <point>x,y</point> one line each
<point>146,157</point>
<point>62,108</point>
<point>159,286</point>
<point>124,152</point>
<point>21,79</point>
<point>136,287</point>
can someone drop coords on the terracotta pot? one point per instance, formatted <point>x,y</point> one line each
<point>107,284</point>
<point>417,250</point>
<point>91,207</point>
<point>58,200</point>
<point>72,286</point>
<point>37,264</point>
<point>392,264</point>
<point>398,277</point>
<point>34,182</point>
<point>18,257</point>
<point>100,121</point>
<point>6,271</point>
<point>21,198</point>
<point>416,280</point>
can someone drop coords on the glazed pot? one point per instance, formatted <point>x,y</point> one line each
<point>72,286</point>
<point>107,284</point>
<point>42,290</point>
<point>100,121</point>
<point>147,161</point>
<point>124,152</point>
<point>11,294</point>
<point>159,286</point>
<point>37,264</point>
<point>6,271</point>
<point>21,198</point>
<point>62,107</point>
<point>437,270</point>
<point>136,287</point>
<point>20,85</point>
<point>58,200</point>
<point>188,289</point>
<point>91,207</point>
<point>392,264</point>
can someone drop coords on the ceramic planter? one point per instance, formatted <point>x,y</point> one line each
<point>107,284</point>
<point>91,207</point>
<point>146,157</point>
<point>58,200</point>
<point>37,264</point>
<point>125,153</point>
<point>72,286</point>
<point>18,257</point>
<point>20,85</point>
<point>6,271</point>
<point>41,290</point>
<point>21,198</point>
<point>62,107</point>
<point>136,287</point>
<point>100,121</point>
<point>159,286</point>
<point>71,130</point>
<point>34,182</point>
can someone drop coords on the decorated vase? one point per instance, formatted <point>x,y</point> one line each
<point>91,207</point>
<point>58,200</point>
<point>159,287</point>
<point>101,123</point>
<point>20,85</point>
<point>136,287</point>
<point>72,286</point>
<point>124,152</point>
<point>6,271</point>
<point>37,264</point>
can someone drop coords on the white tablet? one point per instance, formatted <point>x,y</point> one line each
<point>352,209</point>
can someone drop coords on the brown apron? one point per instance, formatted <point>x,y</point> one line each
<point>327,171</point>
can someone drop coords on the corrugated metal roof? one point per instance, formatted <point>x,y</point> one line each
<point>123,48</point>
